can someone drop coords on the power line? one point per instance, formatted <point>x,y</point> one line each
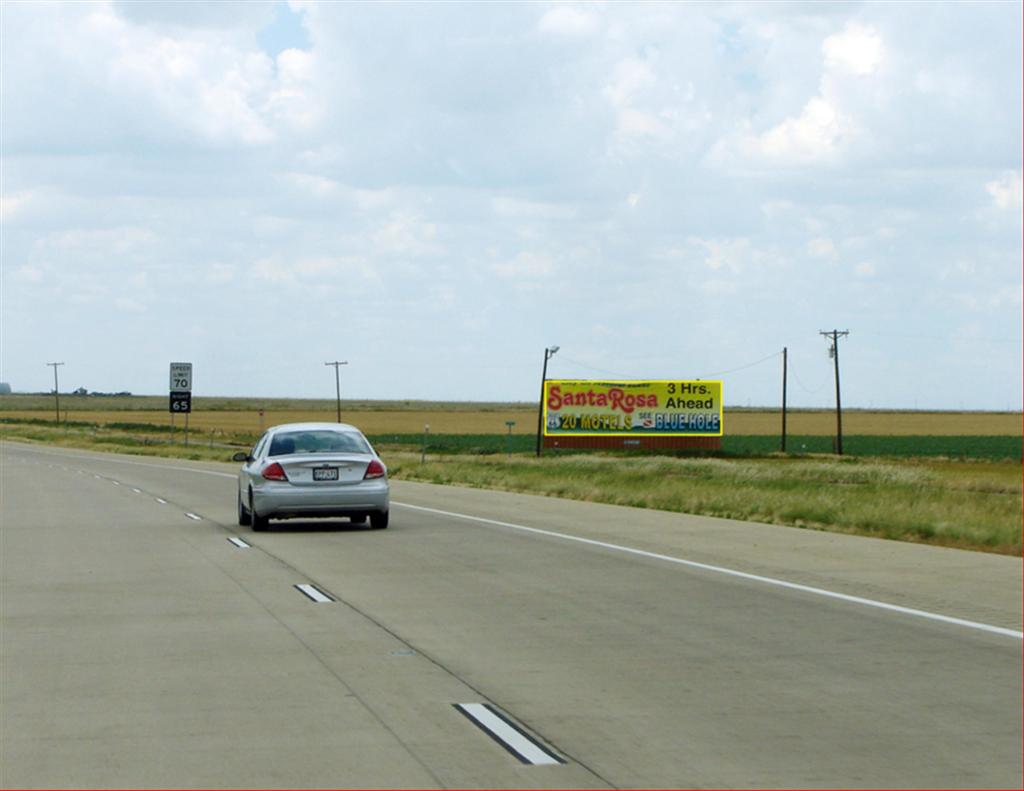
<point>599,370</point>
<point>771,356</point>
<point>946,338</point>
<point>805,387</point>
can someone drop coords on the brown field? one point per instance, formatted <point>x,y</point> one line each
<point>405,417</point>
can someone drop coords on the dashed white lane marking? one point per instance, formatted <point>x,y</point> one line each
<point>510,736</point>
<point>196,517</point>
<point>137,491</point>
<point>161,500</point>
<point>931,616</point>
<point>239,543</point>
<point>116,483</point>
<point>314,593</point>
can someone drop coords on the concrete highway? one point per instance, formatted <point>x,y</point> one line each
<point>483,640</point>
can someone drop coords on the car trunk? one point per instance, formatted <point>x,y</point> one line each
<point>325,469</point>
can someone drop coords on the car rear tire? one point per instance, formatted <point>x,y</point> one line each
<point>244,516</point>
<point>259,523</point>
<point>379,520</point>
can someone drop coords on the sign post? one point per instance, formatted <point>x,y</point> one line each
<point>181,393</point>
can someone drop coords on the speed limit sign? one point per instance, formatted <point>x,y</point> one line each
<point>181,378</point>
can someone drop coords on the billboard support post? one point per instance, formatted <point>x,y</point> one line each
<point>548,354</point>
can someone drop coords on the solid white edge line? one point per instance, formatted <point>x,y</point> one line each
<point>984,627</point>
<point>507,735</point>
<point>314,593</point>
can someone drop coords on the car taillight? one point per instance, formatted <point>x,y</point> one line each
<point>275,472</point>
<point>374,470</point>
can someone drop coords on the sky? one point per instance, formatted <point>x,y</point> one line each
<point>437,192</point>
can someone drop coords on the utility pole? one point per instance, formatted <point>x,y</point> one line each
<point>56,388</point>
<point>833,352</point>
<point>337,383</point>
<point>548,354</point>
<point>785,359</point>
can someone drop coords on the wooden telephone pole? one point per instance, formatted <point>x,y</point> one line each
<point>56,388</point>
<point>833,351</point>
<point>337,383</point>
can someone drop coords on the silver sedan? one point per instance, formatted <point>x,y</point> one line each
<point>312,469</point>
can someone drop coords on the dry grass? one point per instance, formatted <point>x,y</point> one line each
<point>970,506</point>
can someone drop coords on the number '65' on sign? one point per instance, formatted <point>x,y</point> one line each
<point>181,402</point>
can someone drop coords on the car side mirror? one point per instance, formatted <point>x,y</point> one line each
<point>241,457</point>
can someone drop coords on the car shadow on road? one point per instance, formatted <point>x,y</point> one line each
<point>320,526</point>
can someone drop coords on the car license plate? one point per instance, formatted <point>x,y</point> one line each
<point>325,474</point>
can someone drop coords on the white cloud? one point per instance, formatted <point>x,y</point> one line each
<point>857,50</point>
<point>29,273</point>
<point>822,247</point>
<point>292,101</point>
<point>220,274</point>
<point>630,77</point>
<point>1006,192</point>
<point>13,203</point>
<point>517,208</point>
<point>813,136</point>
<point>730,255</point>
<point>827,126</point>
<point>568,21</point>
<point>319,186</point>
<point>129,305</point>
<point>296,270</point>
<point>640,112</point>
<point>101,241</point>
<point>865,269</point>
<point>194,83</point>
<point>406,235</point>
<point>525,266</point>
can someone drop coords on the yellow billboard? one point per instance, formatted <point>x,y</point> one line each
<point>665,408</point>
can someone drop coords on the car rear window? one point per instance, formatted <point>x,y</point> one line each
<point>317,442</point>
